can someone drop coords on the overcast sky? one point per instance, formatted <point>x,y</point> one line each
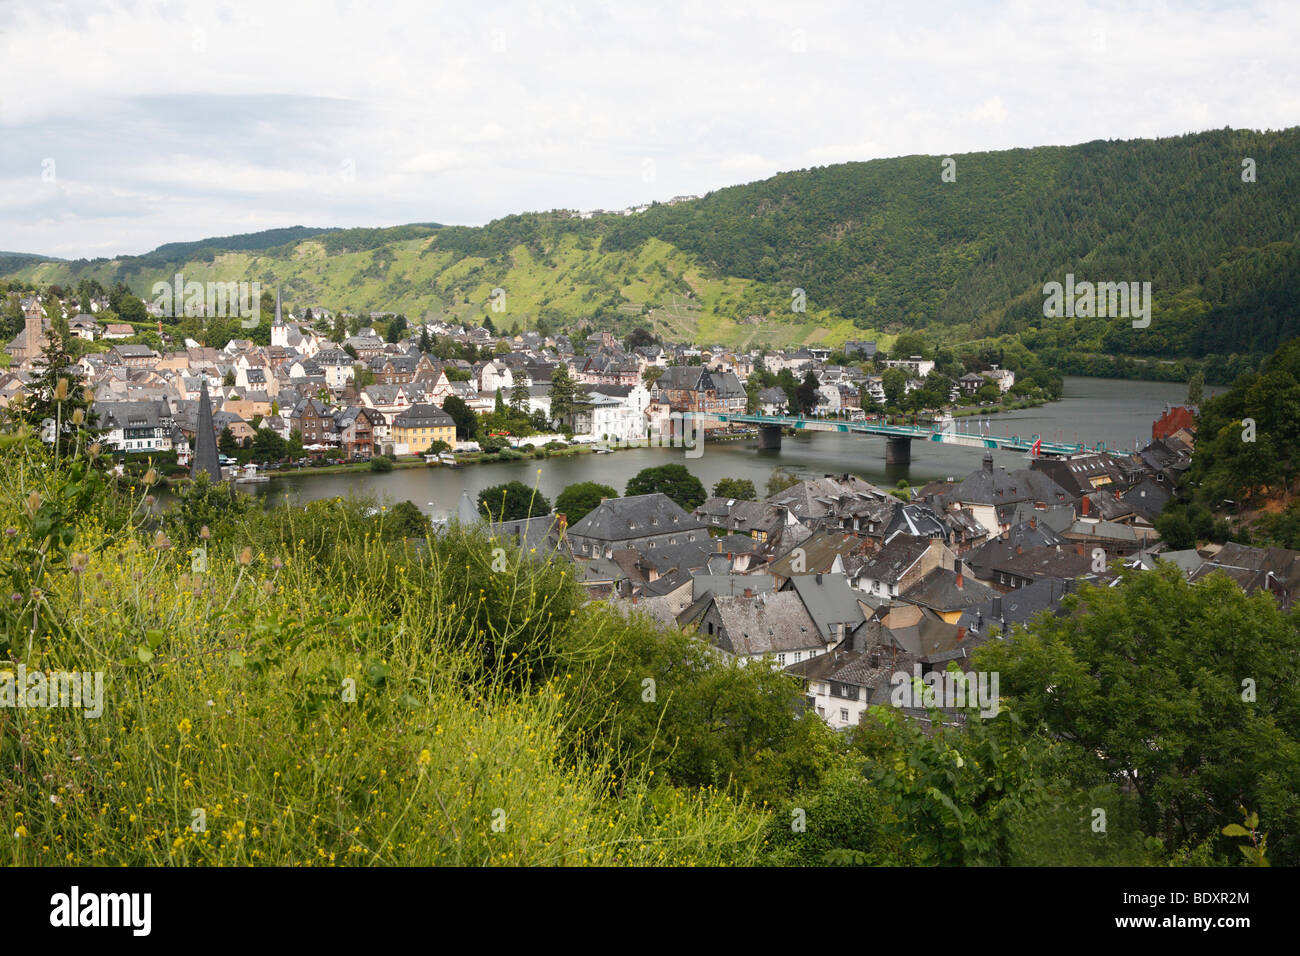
<point>124,125</point>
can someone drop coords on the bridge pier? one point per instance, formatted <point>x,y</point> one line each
<point>898,451</point>
<point>769,438</point>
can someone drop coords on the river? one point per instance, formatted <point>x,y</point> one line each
<point>1114,411</point>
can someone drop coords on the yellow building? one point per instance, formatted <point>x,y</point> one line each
<point>420,426</point>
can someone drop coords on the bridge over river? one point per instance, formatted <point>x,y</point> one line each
<point>899,438</point>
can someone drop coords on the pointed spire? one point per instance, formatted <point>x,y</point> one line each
<point>279,320</point>
<point>205,440</point>
<point>467,511</point>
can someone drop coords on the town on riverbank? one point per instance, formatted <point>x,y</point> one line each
<point>388,394</point>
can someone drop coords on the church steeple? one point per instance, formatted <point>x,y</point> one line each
<point>279,320</point>
<point>205,440</point>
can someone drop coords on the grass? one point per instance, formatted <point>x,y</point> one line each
<point>319,692</point>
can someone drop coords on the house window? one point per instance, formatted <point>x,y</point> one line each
<point>844,715</point>
<point>798,655</point>
<point>780,659</point>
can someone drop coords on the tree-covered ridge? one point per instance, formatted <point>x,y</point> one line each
<point>877,247</point>
<point>1247,455</point>
<point>888,240</point>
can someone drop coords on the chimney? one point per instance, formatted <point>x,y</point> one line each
<point>1019,549</point>
<point>1033,524</point>
<point>997,606</point>
<point>960,581</point>
<point>1078,548</point>
<point>987,465</point>
<point>961,633</point>
<point>819,577</point>
<point>634,598</point>
<point>719,545</point>
<point>1084,505</point>
<point>562,520</point>
<point>749,592</point>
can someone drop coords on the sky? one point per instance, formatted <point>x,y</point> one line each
<point>124,125</point>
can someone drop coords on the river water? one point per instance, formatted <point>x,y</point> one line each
<point>1117,412</point>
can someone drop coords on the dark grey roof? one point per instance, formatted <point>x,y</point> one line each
<point>423,416</point>
<point>830,600</point>
<point>637,516</point>
<point>993,485</point>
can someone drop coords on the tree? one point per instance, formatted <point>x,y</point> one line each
<point>894,382</point>
<point>425,344</point>
<point>512,501</point>
<point>226,442</point>
<point>128,306</point>
<point>404,520</point>
<point>807,394</point>
<point>59,397</point>
<point>381,464</point>
<point>229,380</point>
<point>652,374</point>
<point>577,500</point>
<point>464,417</point>
<point>909,344</point>
<point>1188,693</point>
<point>780,480</point>
<point>671,480</point>
<point>564,396</point>
<point>499,407</point>
<point>268,446</point>
<point>742,489</point>
<point>396,329</point>
<point>520,400</point>
<point>1196,388</point>
<point>294,448</point>
<point>639,337</point>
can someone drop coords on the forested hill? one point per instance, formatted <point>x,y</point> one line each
<point>877,246</point>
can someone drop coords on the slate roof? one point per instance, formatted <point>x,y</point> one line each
<point>992,485</point>
<point>818,553</point>
<point>893,559</point>
<point>767,623</point>
<point>939,591</point>
<point>829,600</point>
<point>423,416</point>
<point>636,516</point>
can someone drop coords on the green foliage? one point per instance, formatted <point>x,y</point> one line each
<point>1190,694</point>
<point>464,417</point>
<point>781,479</point>
<point>200,504</point>
<point>659,699</point>
<point>577,500</point>
<point>381,464</point>
<point>1237,462</point>
<point>741,489</point>
<point>845,822</point>
<point>675,481</point>
<point>512,501</point>
<point>405,520</point>
<point>959,792</point>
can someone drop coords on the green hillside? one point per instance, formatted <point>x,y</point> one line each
<point>877,247</point>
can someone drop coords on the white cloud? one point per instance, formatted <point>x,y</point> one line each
<point>182,120</point>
